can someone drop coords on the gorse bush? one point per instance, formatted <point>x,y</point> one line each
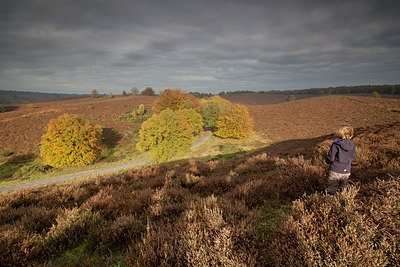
<point>235,123</point>
<point>169,133</point>
<point>71,141</point>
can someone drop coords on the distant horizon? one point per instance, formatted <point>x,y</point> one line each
<point>187,91</point>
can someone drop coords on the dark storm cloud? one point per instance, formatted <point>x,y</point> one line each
<point>205,45</point>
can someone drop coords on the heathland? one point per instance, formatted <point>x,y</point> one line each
<point>256,204</point>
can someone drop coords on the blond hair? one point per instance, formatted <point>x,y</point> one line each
<point>345,131</point>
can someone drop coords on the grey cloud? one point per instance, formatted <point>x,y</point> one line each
<point>220,45</point>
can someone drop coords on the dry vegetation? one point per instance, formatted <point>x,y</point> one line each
<point>231,212</point>
<point>210,213</point>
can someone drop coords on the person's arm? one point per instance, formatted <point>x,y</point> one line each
<point>331,154</point>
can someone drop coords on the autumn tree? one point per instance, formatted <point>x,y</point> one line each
<point>213,109</point>
<point>134,91</point>
<point>166,135</point>
<point>194,120</point>
<point>71,141</point>
<point>148,91</point>
<point>175,99</point>
<point>94,93</point>
<point>234,123</point>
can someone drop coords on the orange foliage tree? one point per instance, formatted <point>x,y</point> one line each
<point>71,141</point>
<point>174,99</point>
<point>235,123</point>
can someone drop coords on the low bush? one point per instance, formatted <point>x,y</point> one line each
<point>342,230</point>
<point>2,109</point>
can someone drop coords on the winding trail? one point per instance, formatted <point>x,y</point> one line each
<point>73,176</point>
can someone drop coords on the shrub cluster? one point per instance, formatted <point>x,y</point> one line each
<point>71,141</point>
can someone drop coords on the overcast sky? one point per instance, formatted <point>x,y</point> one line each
<point>70,46</point>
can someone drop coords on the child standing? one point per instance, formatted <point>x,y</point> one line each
<point>340,156</point>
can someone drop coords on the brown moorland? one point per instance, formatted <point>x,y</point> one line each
<point>228,212</point>
<point>219,213</point>
<point>22,127</point>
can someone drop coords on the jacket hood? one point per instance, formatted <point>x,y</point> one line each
<point>345,144</point>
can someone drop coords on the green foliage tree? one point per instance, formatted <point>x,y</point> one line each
<point>94,93</point>
<point>235,123</point>
<point>375,94</point>
<point>71,141</point>
<point>148,91</point>
<point>124,93</point>
<point>111,95</point>
<point>291,98</point>
<point>165,135</point>
<point>2,109</point>
<point>212,110</point>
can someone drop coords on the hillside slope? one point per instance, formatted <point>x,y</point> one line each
<point>21,128</point>
<point>228,212</point>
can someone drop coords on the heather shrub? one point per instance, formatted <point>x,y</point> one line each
<point>342,230</point>
<point>70,229</point>
<point>123,230</point>
<point>208,238</point>
<point>71,141</point>
<point>235,123</point>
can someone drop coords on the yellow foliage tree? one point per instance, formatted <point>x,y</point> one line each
<point>169,133</point>
<point>71,141</point>
<point>235,123</point>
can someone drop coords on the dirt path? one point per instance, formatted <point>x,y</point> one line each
<point>113,169</point>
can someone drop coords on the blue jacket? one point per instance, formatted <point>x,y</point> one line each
<point>340,155</point>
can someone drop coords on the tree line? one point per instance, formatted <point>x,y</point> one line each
<point>381,89</point>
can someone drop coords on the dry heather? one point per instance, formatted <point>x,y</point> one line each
<point>214,213</point>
